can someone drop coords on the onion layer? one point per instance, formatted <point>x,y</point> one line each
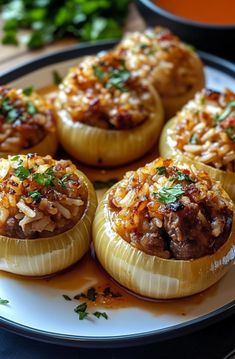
<point>100,147</point>
<point>173,104</point>
<point>167,148</point>
<point>47,146</point>
<point>43,256</point>
<point>152,276</point>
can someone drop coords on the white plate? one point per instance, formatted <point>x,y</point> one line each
<point>37,308</point>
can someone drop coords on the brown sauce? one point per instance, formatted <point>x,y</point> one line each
<point>211,12</point>
<point>88,274</point>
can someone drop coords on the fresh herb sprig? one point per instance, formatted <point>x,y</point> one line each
<point>50,20</point>
<point>168,195</point>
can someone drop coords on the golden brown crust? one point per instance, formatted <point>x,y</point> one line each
<point>39,196</point>
<point>25,120</point>
<point>170,211</point>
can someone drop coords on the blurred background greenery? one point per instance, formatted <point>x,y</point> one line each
<point>51,20</point>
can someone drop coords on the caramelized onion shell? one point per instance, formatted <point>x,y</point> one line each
<point>100,147</point>
<point>167,148</point>
<point>172,104</point>
<point>47,146</point>
<point>43,256</point>
<point>152,276</point>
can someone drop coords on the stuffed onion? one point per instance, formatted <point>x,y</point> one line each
<point>46,210</point>
<point>165,231</point>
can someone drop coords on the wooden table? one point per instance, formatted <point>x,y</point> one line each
<point>11,56</point>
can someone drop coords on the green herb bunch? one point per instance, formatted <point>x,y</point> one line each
<point>51,20</point>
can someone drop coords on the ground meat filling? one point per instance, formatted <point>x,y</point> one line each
<point>205,130</point>
<point>39,197</point>
<point>159,56</point>
<point>171,212</point>
<point>102,93</point>
<point>25,119</point>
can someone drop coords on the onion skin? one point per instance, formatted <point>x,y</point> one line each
<point>99,147</point>
<point>173,104</point>
<point>47,146</point>
<point>44,256</point>
<point>152,276</point>
<point>167,149</point>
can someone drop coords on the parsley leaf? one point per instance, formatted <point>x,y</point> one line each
<point>81,310</point>
<point>118,78</point>
<point>36,196</point>
<point>15,158</point>
<point>22,173</point>
<point>57,78</point>
<point>180,176</point>
<point>193,139</point>
<point>31,108</point>
<point>51,20</point>
<point>230,130</point>
<point>39,178</point>
<point>62,180</point>
<point>226,112</point>
<point>99,73</point>
<point>66,297</point>
<point>101,314</point>
<point>27,91</point>
<point>91,294</point>
<point>161,170</point>
<point>4,301</point>
<point>168,195</point>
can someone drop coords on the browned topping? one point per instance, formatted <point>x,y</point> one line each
<point>206,129</point>
<point>39,196</point>
<point>171,212</point>
<point>102,92</point>
<point>25,119</point>
<point>159,56</point>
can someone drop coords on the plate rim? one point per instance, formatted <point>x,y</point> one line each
<point>129,340</point>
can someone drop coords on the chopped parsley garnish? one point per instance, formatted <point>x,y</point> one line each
<point>105,184</point>
<point>4,301</point>
<point>161,170</point>
<point>168,195</point>
<point>230,130</point>
<point>62,180</point>
<point>27,91</point>
<point>91,295</point>
<point>45,179</point>
<point>36,196</point>
<point>118,78</point>
<point>226,112</point>
<point>101,314</point>
<point>22,173</point>
<point>193,139</point>
<point>57,78</point>
<point>15,158</point>
<point>12,115</point>
<point>180,176</point>
<point>6,105</point>
<point>39,178</point>
<point>81,310</point>
<point>31,109</point>
<point>66,297</point>
<point>99,73</point>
